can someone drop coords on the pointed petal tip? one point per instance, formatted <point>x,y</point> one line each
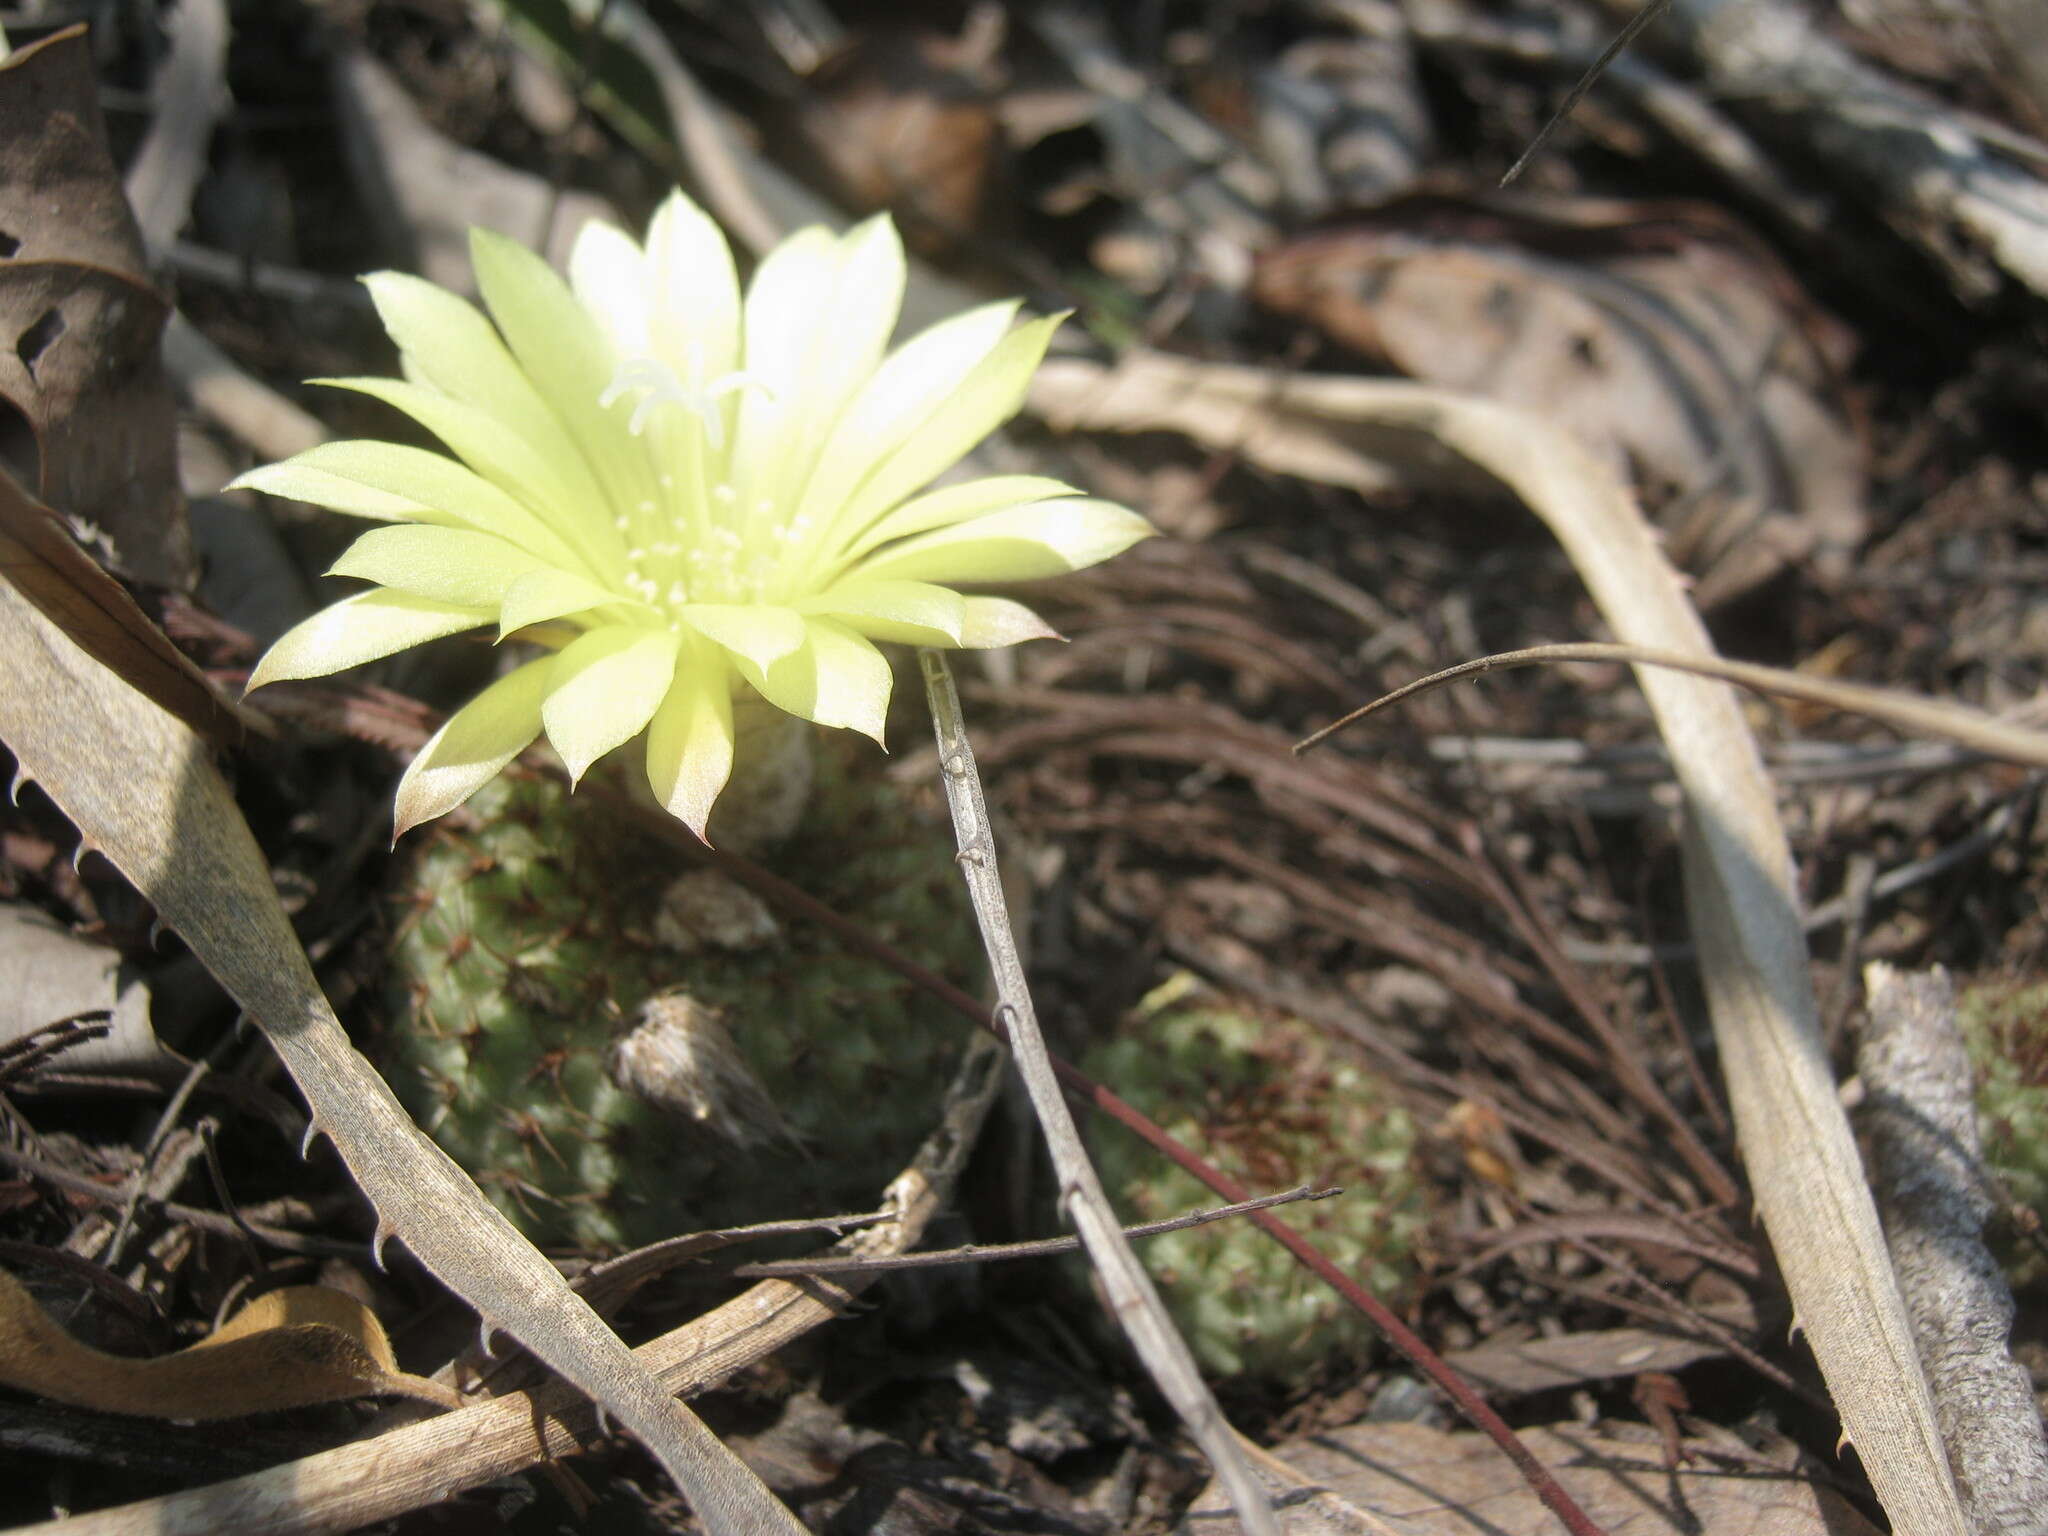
<point>576,766</point>
<point>404,820</point>
<point>481,238</point>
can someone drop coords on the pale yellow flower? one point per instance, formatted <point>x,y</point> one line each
<point>693,493</point>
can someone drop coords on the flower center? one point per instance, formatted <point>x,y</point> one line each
<point>664,387</point>
<point>694,541</point>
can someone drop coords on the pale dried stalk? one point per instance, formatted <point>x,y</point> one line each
<point>1133,1299</point>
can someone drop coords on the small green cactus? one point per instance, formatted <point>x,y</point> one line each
<point>2006,1030</point>
<point>1276,1103</point>
<point>620,1049</point>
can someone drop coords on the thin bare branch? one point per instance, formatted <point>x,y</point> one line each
<point>1902,711</point>
<point>1133,1299</point>
<point>1040,1248</point>
<point>1577,93</point>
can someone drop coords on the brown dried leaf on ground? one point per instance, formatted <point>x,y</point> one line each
<point>1417,1481</point>
<point>1658,333</point>
<point>79,323</point>
<point>1574,1359</point>
<point>909,120</point>
<point>80,319</point>
<point>287,1348</point>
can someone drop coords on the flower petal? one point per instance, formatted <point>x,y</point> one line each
<point>756,632</point>
<point>996,621</point>
<point>357,629</point>
<point>910,612</point>
<point>395,483</point>
<point>987,398</point>
<point>556,339</point>
<point>1043,538</point>
<point>551,593</point>
<point>816,326</point>
<point>693,293</point>
<point>547,475</point>
<point>449,565</point>
<point>295,480</point>
<point>914,381</point>
<point>610,278</point>
<point>604,689</point>
<point>473,747</point>
<point>690,738</point>
<point>849,337</point>
<point>447,344</point>
<point>784,300</point>
<point>956,504</point>
<point>834,678</point>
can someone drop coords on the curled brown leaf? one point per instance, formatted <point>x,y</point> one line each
<point>287,1348</point>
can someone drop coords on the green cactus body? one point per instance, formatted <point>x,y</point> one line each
<point>1275,1103</point>
<point>2006,1031</point>
<point>534,936</point>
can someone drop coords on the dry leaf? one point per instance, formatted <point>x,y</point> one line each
<point>101,618</point>
<point>79,318</point>
<point>189,95</point>
<point>78,359</point>
<point>1669,343</point>
<point>287,1348</point>
<point>1417,1481</point>
<point>906,120</point>
<point>1512,1366</point>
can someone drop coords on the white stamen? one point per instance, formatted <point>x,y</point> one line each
<point>699,398</point>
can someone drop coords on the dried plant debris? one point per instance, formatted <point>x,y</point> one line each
<point>50,976</point>
<point>1274,1103</point>
<point>1410,1480</point>
<point>287,1348</point>
<point>622,1053</point>
<point>1921,1127</point>
<point>1665,336</point>
<point>80,319</point>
